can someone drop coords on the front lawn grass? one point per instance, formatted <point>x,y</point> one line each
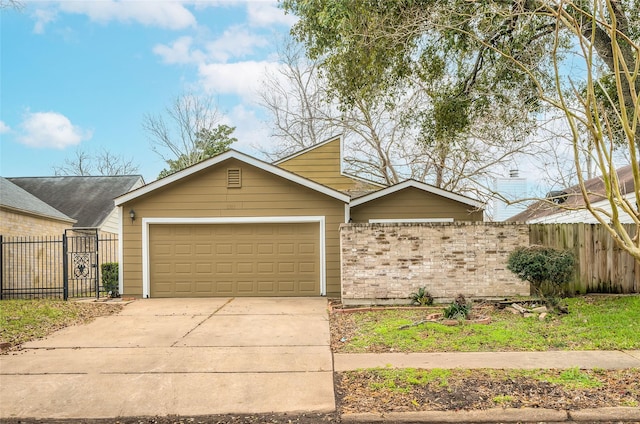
<point>594,323</point>
<point>25,320</point>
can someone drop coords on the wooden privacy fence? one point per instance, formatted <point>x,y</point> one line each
<point>602,266</point>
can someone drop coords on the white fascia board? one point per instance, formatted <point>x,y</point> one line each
<point>146,222</point>
<point>421,186</point>
<point>409,220</point>
<point>231,154</point>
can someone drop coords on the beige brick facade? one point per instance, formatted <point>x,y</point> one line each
<point>13,224</point>
<point>385,263</point>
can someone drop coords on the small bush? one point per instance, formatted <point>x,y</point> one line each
<point>458,309</point>
<point>110,278</point>
<point>546,268</point>
<point>422,297</point>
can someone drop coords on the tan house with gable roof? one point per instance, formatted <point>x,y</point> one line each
<point>234,225</point>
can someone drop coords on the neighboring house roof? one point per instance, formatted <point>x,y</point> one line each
<point>88,199</point>
<point>231,154</point>
<point>571,198</point>
<point>421,186</point>
<point>15,198</point>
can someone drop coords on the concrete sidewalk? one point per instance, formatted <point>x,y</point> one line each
<point>514,360</point>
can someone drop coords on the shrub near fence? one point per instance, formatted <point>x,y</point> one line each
<point>602,267</point>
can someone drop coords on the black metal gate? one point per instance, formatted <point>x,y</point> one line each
<point>81,262</point>
<point>55,266</point>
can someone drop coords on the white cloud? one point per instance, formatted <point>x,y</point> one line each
<point>179,52</point>
<point>4,128</point>
<point>251,131</point>
<point>43,17</point>
<point>52,130</point>
<point>266,14</point>
<point>168,14</point>
<point>236,41</point>
<point>241,78</point>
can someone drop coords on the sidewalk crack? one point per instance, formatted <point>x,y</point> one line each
<point>203,321</point>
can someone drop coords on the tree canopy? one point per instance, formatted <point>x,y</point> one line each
<point>208,143</point>
<point>481,61</point>
<point>189,131</point>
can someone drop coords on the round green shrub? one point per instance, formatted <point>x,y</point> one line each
<point>541,265</point>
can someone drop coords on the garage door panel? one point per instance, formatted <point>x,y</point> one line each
<point>224,268</point>
<point>246,287</point>
<point>307,286</point>
<point>203,249</point>
<point>204,287</point>
<point>234,260</point>
<point>224,249</point>
<point>245,268</point>
<point>286,248</point>
<point>265,248</point>
<point>224,288</point>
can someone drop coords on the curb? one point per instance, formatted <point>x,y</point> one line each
<point>505,415</point>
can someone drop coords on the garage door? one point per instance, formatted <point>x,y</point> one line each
<point>234,260</point>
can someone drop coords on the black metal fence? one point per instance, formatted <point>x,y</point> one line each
<point>55,266</point>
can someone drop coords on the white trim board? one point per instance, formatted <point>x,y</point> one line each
<point>146,222</point>
<point>409,220</point>
<point>420,186</point>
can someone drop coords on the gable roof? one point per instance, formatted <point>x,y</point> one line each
<point>16,198</point>
<point>420,186</point>
<point>573,197</point>
<point>338,138</point>
<point>89,200</point>
<point>231,154</point>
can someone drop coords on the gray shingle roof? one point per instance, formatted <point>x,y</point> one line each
<point>574,200</point>
<point>89,200</point>
<point>14,197</point>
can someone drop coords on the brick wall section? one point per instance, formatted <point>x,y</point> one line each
<point>22,225</point>
<point>384,263</point>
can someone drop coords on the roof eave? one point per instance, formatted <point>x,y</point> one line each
<point>421,186</point>
<point>39,215</point>
<point>230,154</point>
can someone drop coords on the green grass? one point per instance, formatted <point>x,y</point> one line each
<point>25,320</point>
<point>594,323</point>
<point>573,378</point>
<point>402,380</point>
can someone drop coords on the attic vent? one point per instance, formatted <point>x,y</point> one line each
<point>234,178</point>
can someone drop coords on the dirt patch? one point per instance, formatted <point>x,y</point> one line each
<point>367,391</point>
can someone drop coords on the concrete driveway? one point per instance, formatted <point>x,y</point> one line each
<point>178,356</point>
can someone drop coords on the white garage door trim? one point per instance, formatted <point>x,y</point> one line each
<point>146,222</point>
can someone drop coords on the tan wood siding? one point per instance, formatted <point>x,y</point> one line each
<point>323,165</point>
<point>205,195</point>
<point>412,203</point>
<point>258,259</point>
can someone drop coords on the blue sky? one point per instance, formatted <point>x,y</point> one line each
<point>82,74</point>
